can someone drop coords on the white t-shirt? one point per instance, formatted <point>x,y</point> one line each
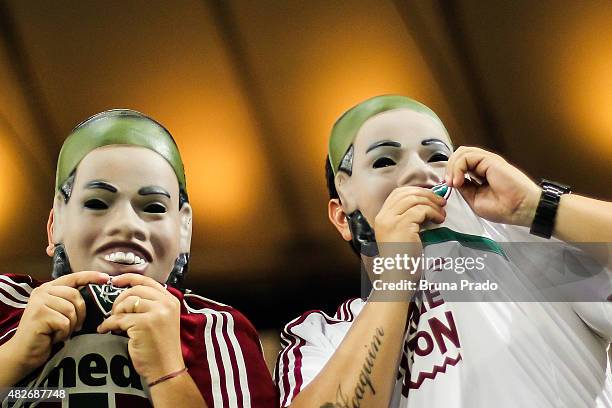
<point>486,353</point>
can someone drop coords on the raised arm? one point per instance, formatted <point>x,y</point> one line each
<point>508,196</point>
<point>362,371</point>
<point>583,219</point>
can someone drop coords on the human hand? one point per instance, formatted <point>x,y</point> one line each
<point>150,316</point>
<point>506,195</point>
<point>55,309</point>
<point>401,216</point>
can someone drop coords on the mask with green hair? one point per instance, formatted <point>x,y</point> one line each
<point>340,153</point>
<point>347,126</point>
<point>117,127</point>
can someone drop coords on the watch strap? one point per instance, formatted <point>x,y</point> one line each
<point>546,213</point>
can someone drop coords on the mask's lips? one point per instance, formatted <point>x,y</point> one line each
<point>126,247</point>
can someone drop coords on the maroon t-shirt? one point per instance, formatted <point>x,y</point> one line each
<point>220,347</point>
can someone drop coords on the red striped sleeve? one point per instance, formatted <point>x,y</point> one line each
<point>229,367</point>
<point>14,294</point>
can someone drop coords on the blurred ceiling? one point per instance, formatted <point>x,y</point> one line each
<point>250,90</point>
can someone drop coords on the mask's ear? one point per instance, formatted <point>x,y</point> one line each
<point>50,243</point>
<point>54,227</point>
<point>185,214</point>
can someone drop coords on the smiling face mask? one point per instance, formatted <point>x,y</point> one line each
<point>113,161</point>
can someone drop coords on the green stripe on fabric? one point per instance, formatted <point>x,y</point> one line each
<point>444,234</point>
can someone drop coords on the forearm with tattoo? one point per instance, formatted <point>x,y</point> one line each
<point>364,381</point>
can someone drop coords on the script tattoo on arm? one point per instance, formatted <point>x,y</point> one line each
<point>364,381</point>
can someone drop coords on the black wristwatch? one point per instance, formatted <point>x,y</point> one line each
<point>544,221</point>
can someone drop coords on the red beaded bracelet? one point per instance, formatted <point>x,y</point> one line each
<point>167,377</point>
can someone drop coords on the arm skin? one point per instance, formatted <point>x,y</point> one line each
<point>582,219</point>
<point>13,369</point>
<point>511,197</point>
<point>179,391</point>
<point>343,378</point>
<point>362,371</point>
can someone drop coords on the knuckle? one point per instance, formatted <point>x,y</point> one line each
<point>412,200</point>
<point>175,302</point>
<point>72,315</point>
<point>80,303</point>
<point>416,213</point>
<point>164,313</point>
<point>36,311</point>
<point>37,302</point>
<point>396,191</point>
<point>413,229</point>
<point>64,323</point>
<point>430,196</point>
<point>420,218</point>
<point>74,296</point>
<point>119,300</point>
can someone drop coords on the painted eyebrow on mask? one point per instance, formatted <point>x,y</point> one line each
<point>99,184</point>
<point>383,143</point>
<point>151,190</point>
<point>428,142</point>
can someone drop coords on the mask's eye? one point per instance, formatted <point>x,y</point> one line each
<point>95,204</point>
<point>438,157</point>
<point>383,162</point>
<point>155,208</point>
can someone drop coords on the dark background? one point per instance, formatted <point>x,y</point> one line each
<point>250,89</point>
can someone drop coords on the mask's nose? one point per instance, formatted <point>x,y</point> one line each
<point>126,224</point>
<point>416,171</point>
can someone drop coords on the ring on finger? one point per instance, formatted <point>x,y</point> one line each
<point>136,305</point>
